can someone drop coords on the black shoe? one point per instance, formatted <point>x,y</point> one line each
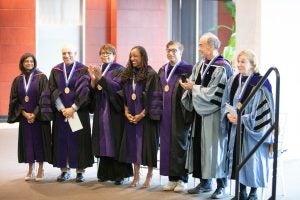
<point>79,178</point>
<point>219,193</point>
<point>252,196</point>
<point>243,195</point>
<point>119,181</point>
<point>200,188</point>
<point>63,177</point>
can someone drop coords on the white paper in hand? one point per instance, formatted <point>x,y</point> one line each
<point>75,122</point>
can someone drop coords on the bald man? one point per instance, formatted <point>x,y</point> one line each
<point>69,87</point>
<point>204,90</point>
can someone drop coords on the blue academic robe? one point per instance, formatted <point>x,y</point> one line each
<point>256,119</point>
<point>207,150</point>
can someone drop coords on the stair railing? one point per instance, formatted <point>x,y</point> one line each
<point>274,128</point>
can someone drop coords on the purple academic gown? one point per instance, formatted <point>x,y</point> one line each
<point>174,124</point>
<point>134,131</point>
<point>74,148</point>
<point>34,139</point>
<point>105,129</point>
<point>108,124</point>
<point>142,139</point>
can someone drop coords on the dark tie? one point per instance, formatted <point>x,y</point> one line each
<point>104,67</point>
<point>170,67</point>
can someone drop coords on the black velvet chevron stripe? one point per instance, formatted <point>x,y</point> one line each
<point>262,114</point>
<point>262,124</point>
<point>262,104</point>
<point>218,103</point>
<point>220,85</point>
<point>219,94</point>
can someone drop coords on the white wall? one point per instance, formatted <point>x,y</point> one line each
<point>276,44</point>
<point>58,23</point>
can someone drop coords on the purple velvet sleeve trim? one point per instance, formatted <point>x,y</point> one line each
<point>46,110</point>
<point>83,92</point>
<point>45,100</point>
<point>156,103</point>
<point>46,93</point>
<point>155,111</point>
<point>156,94</point>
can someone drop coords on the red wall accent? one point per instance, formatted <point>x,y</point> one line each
<point>96,26</point>
<point>224,18</point>
<point>142,22</point>
<point>17,36</point>
<point>112,22</point>
<point>125,24</point>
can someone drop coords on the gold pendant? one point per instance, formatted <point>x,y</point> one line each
<point>133,96</point>
<point>239,105</point>
<point>99,87</point>
<point>26,99</point>
<point>67,90</point>
<point>167,88</point>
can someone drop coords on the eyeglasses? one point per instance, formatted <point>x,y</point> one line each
<point>171,50</point>
<point>106,53</point>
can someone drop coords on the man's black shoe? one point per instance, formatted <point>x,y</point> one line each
<point>200,188</point>
<point>243,195</point>
<point>79,178</point>
<point>252,196</point>
<point>63,177</point>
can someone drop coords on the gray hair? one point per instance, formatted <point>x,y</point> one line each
<point>212,40</point>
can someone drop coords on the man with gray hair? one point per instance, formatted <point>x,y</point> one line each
<point>69,87</point>
<point>204,90</point>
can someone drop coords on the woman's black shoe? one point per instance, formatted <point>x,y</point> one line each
<point>119,181</point>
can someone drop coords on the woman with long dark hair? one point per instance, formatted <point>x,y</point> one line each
<point>143,105</point>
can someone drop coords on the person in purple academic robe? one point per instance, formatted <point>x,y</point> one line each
<point>70,95</point>
<point>108,120</point>
<point>143,107</point>
<point>175,120</point>
<point>29,105</point>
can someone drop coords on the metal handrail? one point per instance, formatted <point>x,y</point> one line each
<point>269,131</point>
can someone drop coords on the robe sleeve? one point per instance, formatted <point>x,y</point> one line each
<point>55,93</point>
<point>82,89</point>
<point>15,106</point>
<point>225,100</point>
<point>207,100</point>
<point>153,97</point>
<point>186,98</point>
<point>111,87</point>
<point>260,116</point>
<point>43,109</point>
